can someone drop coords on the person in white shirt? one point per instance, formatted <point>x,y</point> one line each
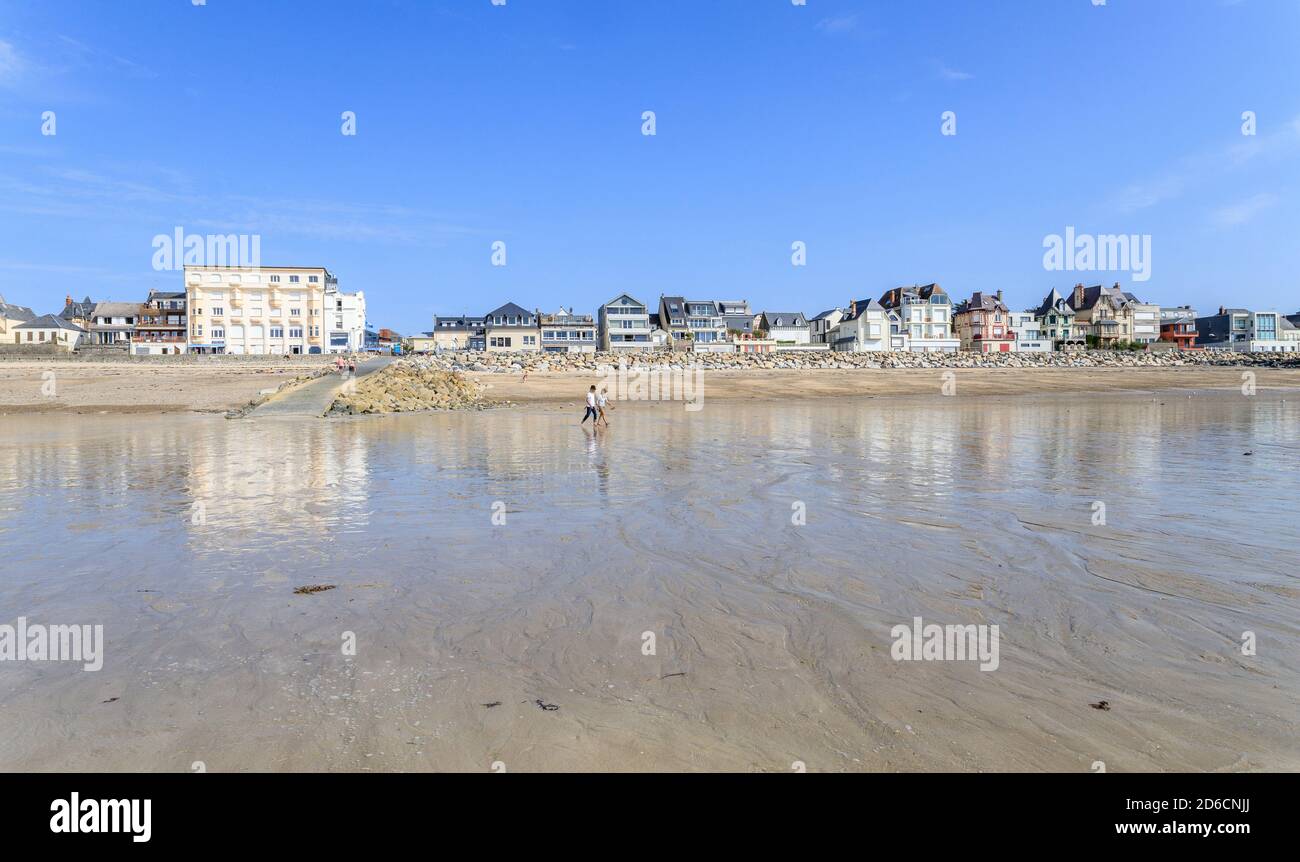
<point>601,401</point>
<point>591,408</point>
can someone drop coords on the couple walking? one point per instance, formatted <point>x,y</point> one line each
<point>596,403</point>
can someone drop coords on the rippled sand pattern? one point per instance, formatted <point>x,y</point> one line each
<point>772,639</point>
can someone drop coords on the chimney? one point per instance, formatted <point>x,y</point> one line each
<point>1222,310</point>
<point>1078,296</point>
<point>67,300</point>
<point>853,308</point>
<point>999,294</point>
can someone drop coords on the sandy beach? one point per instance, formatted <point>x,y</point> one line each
<point>216,387</point>
<point>108,387</point>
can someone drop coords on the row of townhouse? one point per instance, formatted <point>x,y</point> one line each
<point>921,318</point>
<point>625,323</point>
<point>222,310</point>
<point>916,318</point>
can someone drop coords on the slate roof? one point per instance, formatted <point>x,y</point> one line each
<point>15,312</point>
<point>862,306</point>
<point>785,318</point>
<point>84,308</point>
<point>982,301</point>
<point>1051,303</point>
<point>50,321</point>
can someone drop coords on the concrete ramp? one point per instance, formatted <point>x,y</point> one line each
<point>314,397</point>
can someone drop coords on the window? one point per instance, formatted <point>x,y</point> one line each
<point>293,279</point>
<point>275,279</point>
<point>218,332</point>
<point>311,279</point>
<point>295,312</point>
<point>295,332</point>
<point>217,311</point>
<point>277,332</point>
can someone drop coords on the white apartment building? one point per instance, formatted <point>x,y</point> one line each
<point>268,310</point>
<point>345,320</point>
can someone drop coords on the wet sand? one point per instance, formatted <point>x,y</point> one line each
<point>773,639</point>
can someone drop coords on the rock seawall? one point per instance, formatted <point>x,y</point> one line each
<point>501,363</point>
<point>409,385</point>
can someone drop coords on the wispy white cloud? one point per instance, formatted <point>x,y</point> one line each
<point>949,74</point>
<point>1243,211</point>
<point>838,24</point>
<point>91,57</point>
<point>1191,170</point>
<point>10,64</point>
<point>162,199</point>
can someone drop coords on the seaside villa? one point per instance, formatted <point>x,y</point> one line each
<point>458,333</point>
<point>925,316</point>
<point>625,324</point>
<point>566,332</point>
<point>867,327</point>
<point>786,327</point>
<point>983,324</point>
<point>1055,319</point>
<point>511,329</point>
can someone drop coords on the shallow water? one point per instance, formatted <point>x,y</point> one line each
<point>186,535</point>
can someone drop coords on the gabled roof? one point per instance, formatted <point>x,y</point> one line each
<point>669,301</point>
<point>631,300</point>
<point>1091,296</point>
<point>1052,303</point>
<point>116,309</point>
<point>50,321</point>
<point>862,306</point>
<point>509,309</point>
<point>828,312</point>
<point>785,318</point>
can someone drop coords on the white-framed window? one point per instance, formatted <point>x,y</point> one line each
<point>293,279</point>
<point>275,279</point>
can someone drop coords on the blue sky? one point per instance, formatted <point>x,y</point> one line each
<point>775,123</point>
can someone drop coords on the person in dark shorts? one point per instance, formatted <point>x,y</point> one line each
<point>591,408</point>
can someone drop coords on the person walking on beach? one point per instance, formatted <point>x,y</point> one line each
<point>591,408</point>
<point>352,366</point>
<point>601,401</point>
<point>338,365</point>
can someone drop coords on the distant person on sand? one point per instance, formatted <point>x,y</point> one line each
<point>338,365</point>
<point>524,379</point>
<point>601,401</point>
<point>591,408</point>
<point>352,366</point>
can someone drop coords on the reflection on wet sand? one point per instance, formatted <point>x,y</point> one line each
<point>185,535</point>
